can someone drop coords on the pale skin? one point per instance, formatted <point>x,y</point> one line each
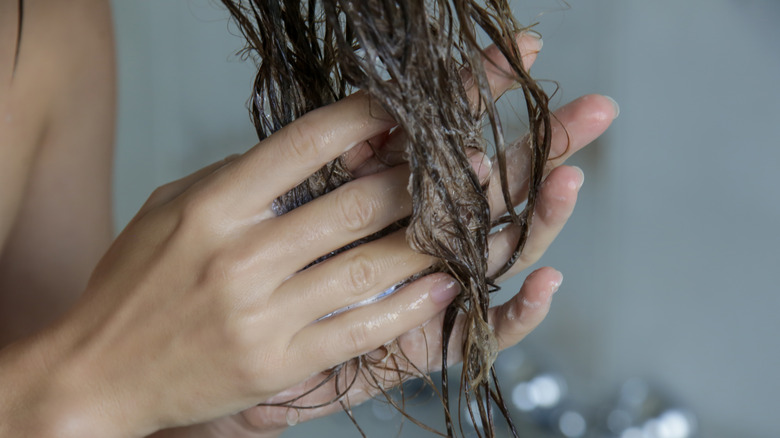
<point>197,311</point>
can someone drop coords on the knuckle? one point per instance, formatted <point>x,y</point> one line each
<point>155,202</point>
<point>249,374</point>
<point>193,207</point>
<point>357,211</point>
<point>302,142</point>
<point>362,274</point>
<point>222,268</point>
<point>357,340</point>
<point>160,194</point>
<point>197,208</point>
<point>243,353</point>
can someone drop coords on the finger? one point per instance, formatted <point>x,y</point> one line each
<point>167,192</point>
<point>349,213</point>
<point>308,400</point>
<point>574,126</point>
<point>558,195</point>
<point>500,80</point>
<point>338,339</point>
<point>277,164</point>
<point>497,69</point>
<point>349,279</point>
<point>512,321</point>
<point>266,416</point>
<point>516,318</point>
<point>418,351</point>
<point>358,155</point>
<point>357,380</point>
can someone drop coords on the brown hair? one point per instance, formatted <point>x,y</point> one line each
<point>407,54</point>
<point>18,48</point>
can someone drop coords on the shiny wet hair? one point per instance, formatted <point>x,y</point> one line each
<point>408,56</point>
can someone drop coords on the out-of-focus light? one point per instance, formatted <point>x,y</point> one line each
<point>545,391</point>
<point>522,399</point>
<point>572,424</point>
<point>632,432</point>
<point>674,423</point>
<point>650,428</point>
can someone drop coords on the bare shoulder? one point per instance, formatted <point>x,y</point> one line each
<point>48,48</point>
<point>57,111</point>
<point>56,69</point>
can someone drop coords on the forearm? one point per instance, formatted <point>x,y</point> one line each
<point>50,390</point>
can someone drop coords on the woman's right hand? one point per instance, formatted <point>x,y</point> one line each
<point>200,308</point>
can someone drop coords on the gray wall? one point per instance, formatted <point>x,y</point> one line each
<point>670,260</point>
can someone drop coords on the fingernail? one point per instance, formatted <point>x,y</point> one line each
<point>482,165</point>
<point>556,283</point>
<point>616,107</point>
<point>537,37</point>
<point>445,291</point>
<point>582,177</point>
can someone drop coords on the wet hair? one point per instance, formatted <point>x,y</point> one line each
<point>18,37</point>
<point>408,55</point>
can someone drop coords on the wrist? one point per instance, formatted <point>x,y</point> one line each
<point>227,427</point>
<point>45,395</point>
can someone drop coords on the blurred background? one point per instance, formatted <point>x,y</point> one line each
<point>666,324</point>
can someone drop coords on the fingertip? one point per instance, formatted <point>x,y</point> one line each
<point>547,273</point>
<point>615,107</point>
<point>530,42</point>
<point>581,177</point>
<point>497,67</point>
<point>559,195</point>
<point>565,178</point>
<point>523,313</point>
<point>556,281</point>
<point>600,108</point>
<point>482,165</point>
<point>540,287</point>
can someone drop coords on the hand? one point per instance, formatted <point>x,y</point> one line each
<point>576,125</point>
<point>585,119</point>
<point>200,308</point>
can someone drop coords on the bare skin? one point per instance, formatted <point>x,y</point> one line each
<point>198,311</point>
<point>56,132</point>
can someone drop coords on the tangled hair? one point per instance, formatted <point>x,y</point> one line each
<point>408,55</point>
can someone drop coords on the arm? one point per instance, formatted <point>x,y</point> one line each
<point>56,152</point>
<point>205,268</point>
<point>56,135</point>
